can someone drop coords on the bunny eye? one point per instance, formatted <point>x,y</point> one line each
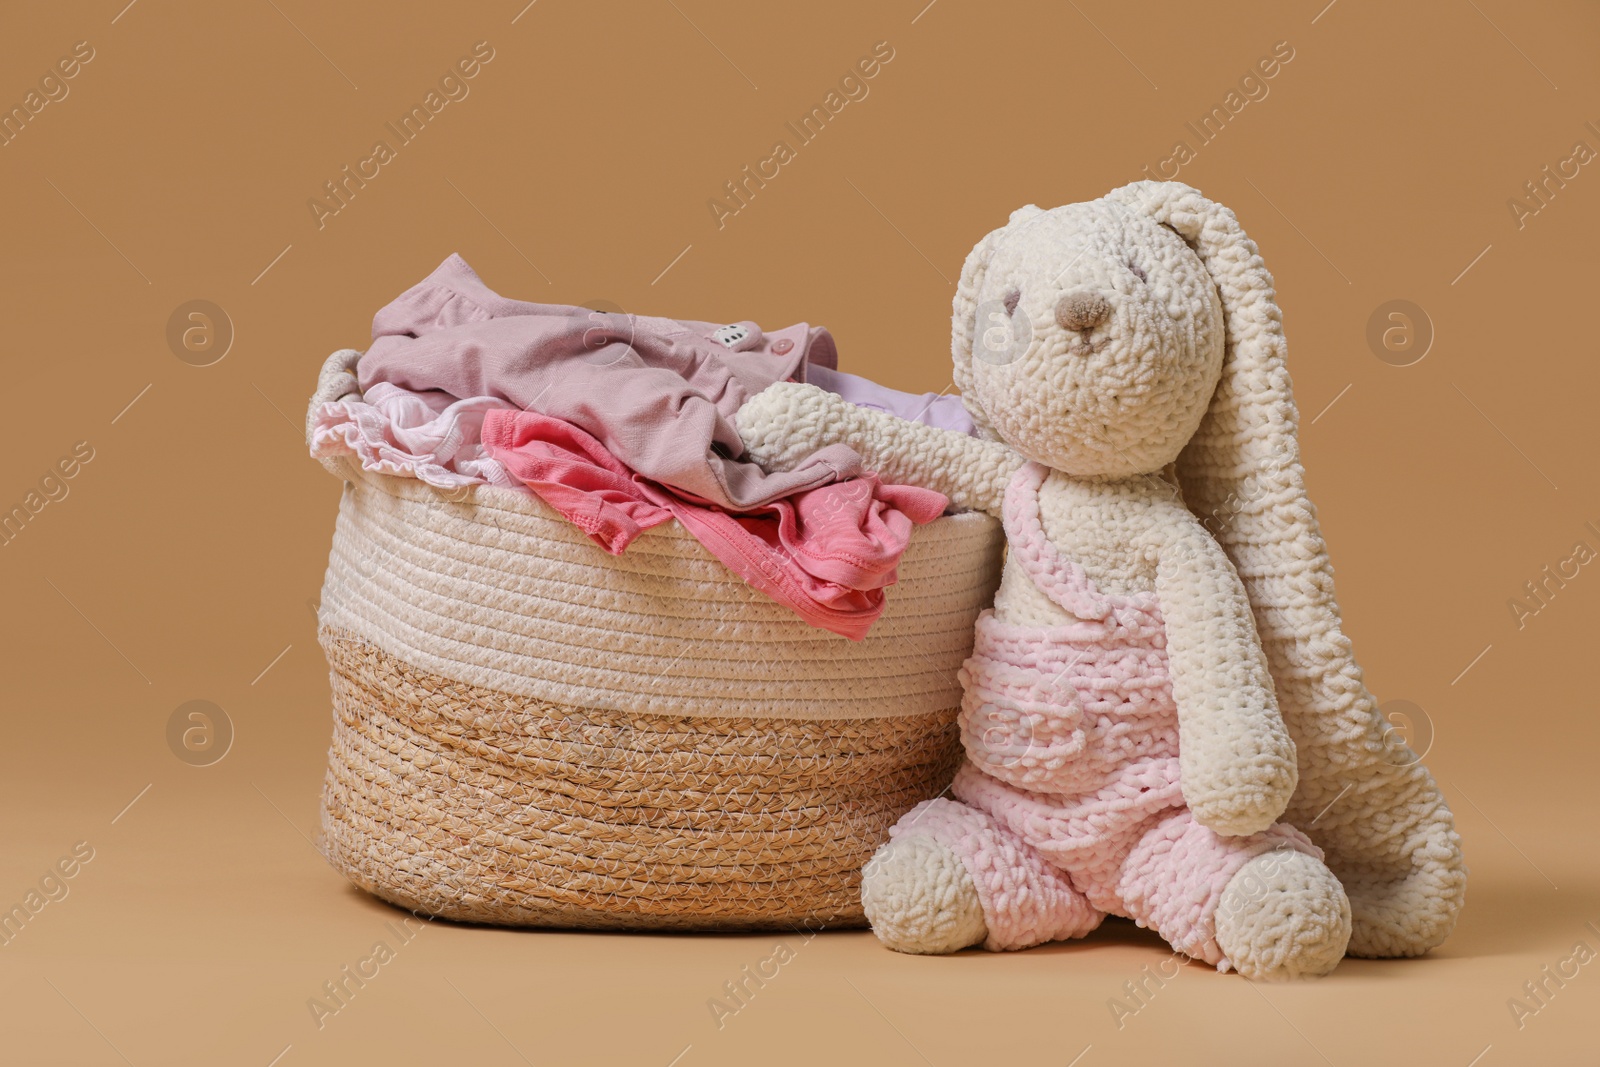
<point>1138,271</point>
<point>1011,299</point>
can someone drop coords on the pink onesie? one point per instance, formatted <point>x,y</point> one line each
<point>1071,804</point>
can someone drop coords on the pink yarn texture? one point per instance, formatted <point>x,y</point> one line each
<point>1073,806</point>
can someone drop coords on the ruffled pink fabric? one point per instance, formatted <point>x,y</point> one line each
<point>1071,734</point>
<point>429,436</point>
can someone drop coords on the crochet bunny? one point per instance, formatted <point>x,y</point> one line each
<point>1161,693</point>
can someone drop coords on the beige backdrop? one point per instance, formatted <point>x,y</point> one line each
<point>180,560</point>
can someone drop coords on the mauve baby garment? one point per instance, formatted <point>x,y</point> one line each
<point>827,553</point>
<point>659,394</point>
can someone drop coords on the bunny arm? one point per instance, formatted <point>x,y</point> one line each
<point>1236,759</point>
<point>788,421</point>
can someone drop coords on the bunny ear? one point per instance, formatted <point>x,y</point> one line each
<point>1241,470</point>
<point>1367,802</point>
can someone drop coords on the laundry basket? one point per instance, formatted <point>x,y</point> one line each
<point>528,730</point>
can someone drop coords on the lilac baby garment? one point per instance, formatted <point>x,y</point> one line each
<point>932,409</point>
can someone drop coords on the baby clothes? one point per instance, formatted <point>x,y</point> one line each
<point>432,437</point>
<point>1072,804</point>
<point>827,553</point>
<point>659,394</point>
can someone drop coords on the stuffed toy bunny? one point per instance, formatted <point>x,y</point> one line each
<point>1162,719</point>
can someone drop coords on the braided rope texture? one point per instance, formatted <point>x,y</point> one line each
<point>483,806</point>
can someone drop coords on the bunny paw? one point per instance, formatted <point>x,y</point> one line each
<point>1283,916</point>
<point>920,899</point>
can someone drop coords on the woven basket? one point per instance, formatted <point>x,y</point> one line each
<point>529,730</point>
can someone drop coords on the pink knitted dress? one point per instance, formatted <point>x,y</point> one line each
<point>1072,807</point>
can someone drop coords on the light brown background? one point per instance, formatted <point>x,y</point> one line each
<point>186,556</point>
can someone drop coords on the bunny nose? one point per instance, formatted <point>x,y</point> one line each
<point>1081,310</point>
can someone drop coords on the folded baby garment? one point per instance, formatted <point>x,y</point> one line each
<point>659,394</point>
<point>827,553</point>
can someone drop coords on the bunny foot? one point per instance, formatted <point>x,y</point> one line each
<point>920,899</point>
<point>1283,916</point>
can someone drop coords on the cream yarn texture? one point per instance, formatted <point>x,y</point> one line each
<point>1133,345</point>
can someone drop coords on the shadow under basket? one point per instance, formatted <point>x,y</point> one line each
<point>528,730</point>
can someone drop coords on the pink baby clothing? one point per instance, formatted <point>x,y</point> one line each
<point>827,553</point>
<point>432,437</point>
<point>1071,803</point>
<point>659,394</point>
